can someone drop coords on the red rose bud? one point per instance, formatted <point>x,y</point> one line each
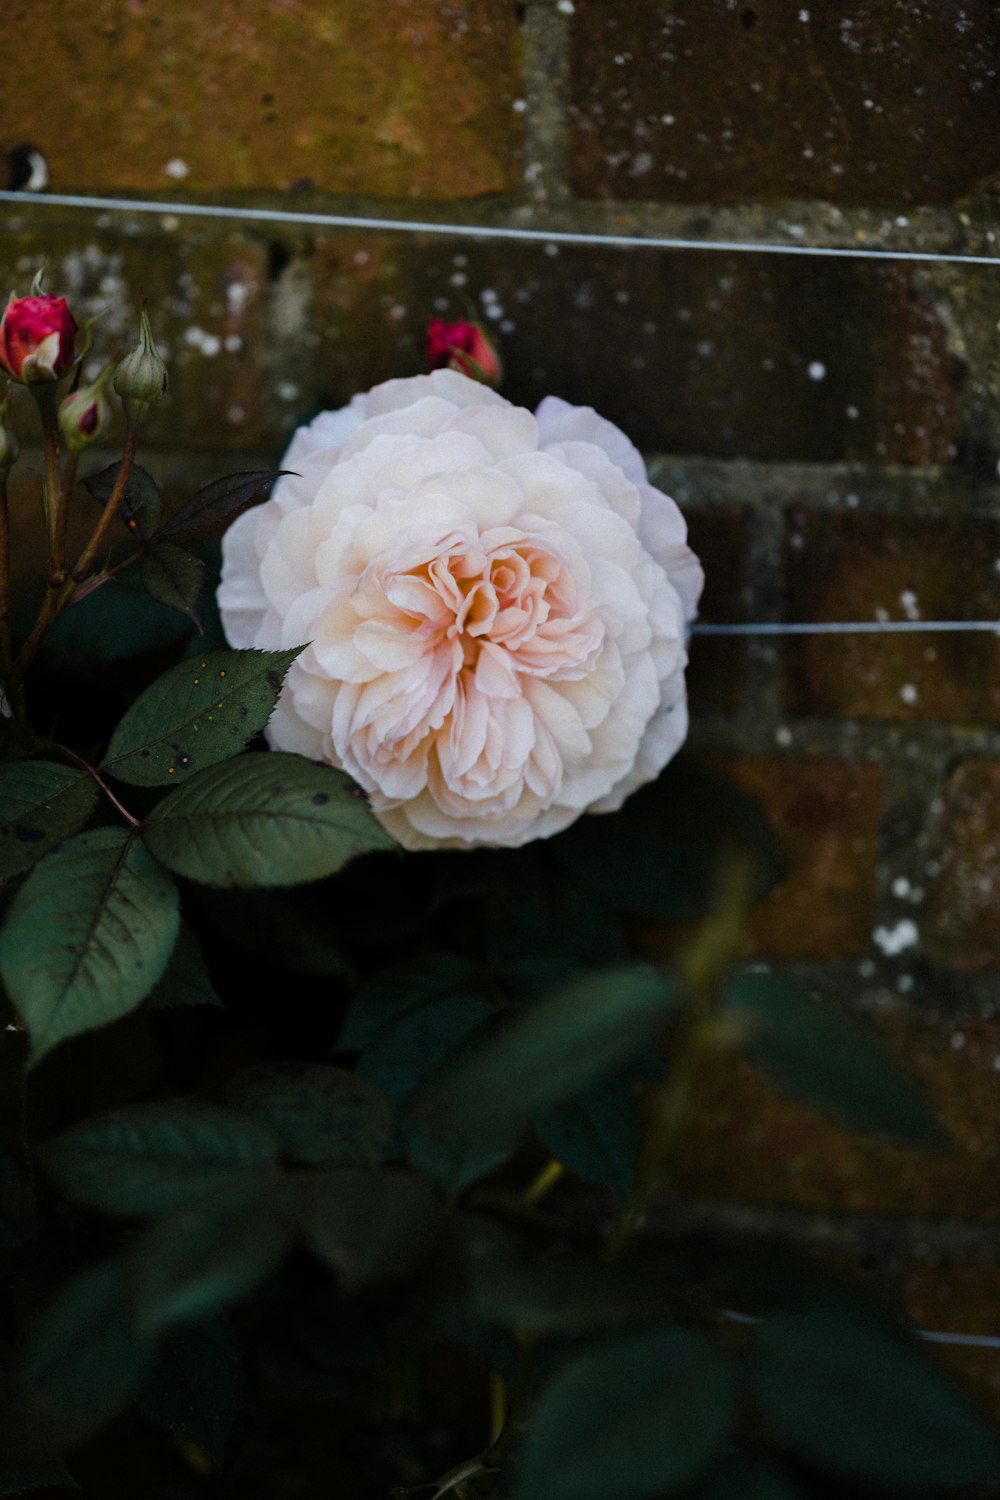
<point>141,378</point>
<point>37,339</point>
<point>85,415</point>
<point>464,347</point>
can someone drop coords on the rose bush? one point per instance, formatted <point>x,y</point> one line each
<point>496,605</point>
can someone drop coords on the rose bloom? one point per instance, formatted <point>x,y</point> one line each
<point>496,606</point>
<point>37,337</point>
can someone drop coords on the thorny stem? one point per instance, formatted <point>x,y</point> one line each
<point>45,395</point>
<point>92,771</point>
<point>60,594</point>
<point>6,651</point>
<point>58,570</point>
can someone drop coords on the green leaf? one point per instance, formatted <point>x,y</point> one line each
<point>370,1225</point>
<point>663,851</point>
<point>201,712</point>
<point>408,1052</point>
<point>596,1133</point>
<point>174,577</point>
<point>189,1264</point>
<point>186,980</point>
<point>196,1388</point>
<point>394,992</point>
<point>40,804</point>
<point>221,500</point>
<point>18,1479</point>
<point>81,1363</point>
<point>583,1030</point>
<point>637,1417</point>
<point>864,1401</point>
<point>88,935</point>
<point>318,1112</point>
<point>141,505</point>
<point>153,1158</point>
<point>748,1478</point>
<point>824,1056</point>
<point>17,1202</point>
<point>259,820</point>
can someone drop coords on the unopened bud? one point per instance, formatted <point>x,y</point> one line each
<point>464,347</point>
<point>85,415</point>
<point>9,446</point>
<point>141,378</point>
<point>37,336</point>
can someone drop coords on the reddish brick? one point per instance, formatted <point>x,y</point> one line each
<point>410,97</point>
<point>748,1142</point>
<point>699,101</point>
<point>961,926</point>
<point>893,567</point>
<point>826,816</point>
<point>959,1297</point>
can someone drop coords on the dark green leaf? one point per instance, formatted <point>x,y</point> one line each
<point>88,936</point>
<point>663,851</point>
<point>563,1296</point>
<point>318,1112</point>
<point>109,627</point>
<point>187,980</point>
<point>19,1479</point>
<point>551,1049</point>
<point>40,803</point>
<point>81,1363</point>
<point>863,1401</point>
<point>823,1055</point>
<point>191,1263</point>
<point>638,1417</point>
<point>153,1158</point>
<point>596,1133</point>
<point>222,500</point>
<point>141,505</point>
<point>409,1051</point>
<point>173,577</point>
<point>393,993</point>
<point>196,1388</point>
<point>369,1225</point>
<point>259,820</point>
<point>17,1201</point>
<point>740,1476</point>
<point>199,713</point>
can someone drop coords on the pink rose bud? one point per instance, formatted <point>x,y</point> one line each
<point>464,347</point>
<point>84,415</point>
<point>37,339</point>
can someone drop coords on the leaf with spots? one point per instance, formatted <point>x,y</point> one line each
<point>87,937</point>
<point>222,500</point>
<point>141,506</point>
<point>200,712</point>
<point>260,820</point>
<point>174,577</point>
<point>40,803</point>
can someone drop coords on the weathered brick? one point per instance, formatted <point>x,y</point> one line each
<point>703,101</point>
<point>716,666</point>
<point>749,1142</point>
<point>961,926</point>
<point>825,817</point>
<point>411,97</point>
<point>893,567</point>
<point>689,353</point>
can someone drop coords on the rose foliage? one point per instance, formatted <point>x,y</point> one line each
<point>336,1143</point>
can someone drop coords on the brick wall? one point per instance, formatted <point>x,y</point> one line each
<point>832,428</point>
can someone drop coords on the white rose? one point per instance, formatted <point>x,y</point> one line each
<point>496,606</point>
